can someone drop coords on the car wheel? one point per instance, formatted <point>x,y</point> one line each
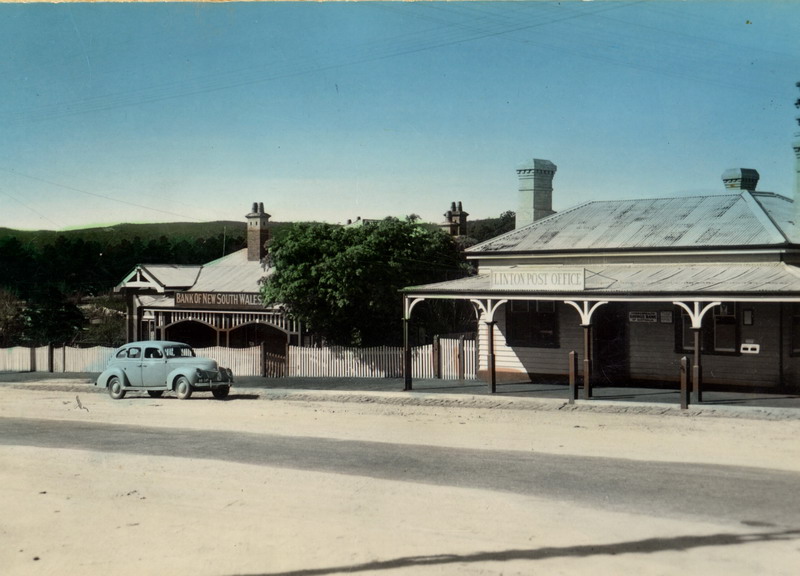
<point>155,393</point>
<point>183,389</point>
<point>115,388</point>
<point>220,392</point>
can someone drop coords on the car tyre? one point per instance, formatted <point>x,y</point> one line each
<point>115,388</point>
<point>221,392</point>
<point>183,388</point>
<point>155,393</point>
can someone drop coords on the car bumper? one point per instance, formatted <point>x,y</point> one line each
<point>215,377</point>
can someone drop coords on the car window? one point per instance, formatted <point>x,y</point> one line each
<point>122,353</point>
<point>177,351</point>
<point>134,352</point>
<point>153,353</point>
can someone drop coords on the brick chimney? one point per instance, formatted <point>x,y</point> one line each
<point>740,179</point>
<point>455,222</point>
<point>535,191</point>
<point>257,233</point>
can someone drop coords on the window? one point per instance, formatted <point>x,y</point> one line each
<point>152,353</point>
<point>719,334</point>
<point>531,323</point>
<point>726,333</point>
<point>796,329</point>
<point>175,351</point>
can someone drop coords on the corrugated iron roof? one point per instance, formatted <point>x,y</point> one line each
<point>233,273</point>
<point>172,276</point>
<point>648,279</point>
<point>724,220</point>
<point>781,210</point>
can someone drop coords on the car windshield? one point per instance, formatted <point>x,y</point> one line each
<point>176,351</point>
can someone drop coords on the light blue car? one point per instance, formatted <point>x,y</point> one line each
<point>157,366</point>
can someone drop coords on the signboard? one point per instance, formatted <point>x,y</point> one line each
<point>219,300</point>
<point>539,279</point>
<point>647,317</point>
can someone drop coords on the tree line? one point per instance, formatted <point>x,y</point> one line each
<point>62,291</point>
<point>342,282</point>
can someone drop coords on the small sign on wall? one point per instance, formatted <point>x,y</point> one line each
<point>645,317</point>
<point>665,316</point>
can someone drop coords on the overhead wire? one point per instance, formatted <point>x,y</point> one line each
<point>401,45</point>
<point>94,194</point>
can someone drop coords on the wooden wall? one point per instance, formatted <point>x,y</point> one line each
<point>651,349</point>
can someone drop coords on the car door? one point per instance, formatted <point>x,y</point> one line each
<point>132,365</point>
<point>154,367</point>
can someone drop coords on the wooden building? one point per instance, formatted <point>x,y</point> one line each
<point>635,285</point>
<point>216,304</point>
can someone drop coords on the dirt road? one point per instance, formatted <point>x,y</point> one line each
<point>90,511</point>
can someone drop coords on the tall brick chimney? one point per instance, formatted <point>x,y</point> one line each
<point>257,233</point>
<point>535,191</point>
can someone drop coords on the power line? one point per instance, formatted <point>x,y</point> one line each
<point>94,194</point>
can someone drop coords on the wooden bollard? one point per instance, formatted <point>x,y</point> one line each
<point>573,377</point>
<point>684,383</point>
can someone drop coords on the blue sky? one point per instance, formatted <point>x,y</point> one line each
<point>328,111</point>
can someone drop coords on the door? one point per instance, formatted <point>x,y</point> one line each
<point>154,367</point>
<point>611,345</point>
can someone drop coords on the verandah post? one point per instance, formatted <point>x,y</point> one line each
<point>697,370</point>
<point>406,356</point>
<point>490,358</point>
<point>587,361</point>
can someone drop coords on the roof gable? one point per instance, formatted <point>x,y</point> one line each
<point>160,277</point>
<point>725,220</point>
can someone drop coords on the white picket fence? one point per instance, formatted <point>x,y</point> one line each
<point>330,362</point>
<point>339,362</point>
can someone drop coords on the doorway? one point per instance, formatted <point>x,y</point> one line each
<point>611,345</point>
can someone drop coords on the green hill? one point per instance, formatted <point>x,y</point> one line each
<point>110,235</point>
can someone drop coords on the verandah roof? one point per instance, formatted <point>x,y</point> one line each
<point>627,281</point>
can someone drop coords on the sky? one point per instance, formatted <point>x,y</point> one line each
<point>331,111</point>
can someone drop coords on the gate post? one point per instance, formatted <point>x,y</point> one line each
<point>573,377</point>
<point>460,359</point>
<point>684,383</point>
<point>437,358</point>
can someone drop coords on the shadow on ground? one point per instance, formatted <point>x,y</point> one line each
<point>647,546</point>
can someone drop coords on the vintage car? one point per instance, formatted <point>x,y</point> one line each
<point>157,366</point>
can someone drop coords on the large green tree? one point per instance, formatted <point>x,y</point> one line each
<point>343,282</point>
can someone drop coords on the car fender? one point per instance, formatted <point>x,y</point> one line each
<point>102,380</point>
<point>190,373</point>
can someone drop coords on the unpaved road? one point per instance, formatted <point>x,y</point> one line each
<point>273,485</point>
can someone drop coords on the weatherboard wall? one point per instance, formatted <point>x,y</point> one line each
<point>651,352</point>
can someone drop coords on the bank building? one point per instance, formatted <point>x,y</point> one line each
<point>215,304</point>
